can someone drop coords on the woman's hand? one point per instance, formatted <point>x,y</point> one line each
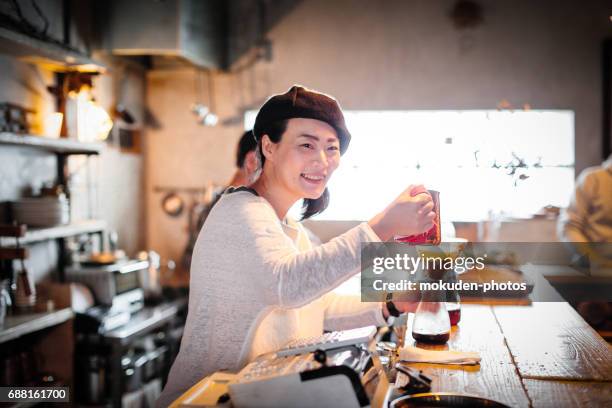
<point>409,214</point>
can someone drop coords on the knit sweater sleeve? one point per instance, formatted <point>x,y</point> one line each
<point>343,312</point>
<point>291,278</point>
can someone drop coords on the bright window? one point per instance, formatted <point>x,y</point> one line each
<point>482,162</point>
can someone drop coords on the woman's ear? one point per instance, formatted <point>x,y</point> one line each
<point>267,147</point>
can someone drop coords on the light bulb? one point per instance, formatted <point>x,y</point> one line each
<point>210,119</point>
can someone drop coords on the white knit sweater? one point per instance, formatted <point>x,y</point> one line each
<point>257,283</point>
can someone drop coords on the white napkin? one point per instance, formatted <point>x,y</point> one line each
<point>413,354</point>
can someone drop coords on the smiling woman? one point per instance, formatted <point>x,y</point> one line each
<point>302,165</point>
<point>257,283</point>
<point>324,130</point>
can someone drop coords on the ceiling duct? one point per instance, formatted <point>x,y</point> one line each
<point>192,31</point>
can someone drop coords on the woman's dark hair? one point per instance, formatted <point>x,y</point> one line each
<point>310,206</point>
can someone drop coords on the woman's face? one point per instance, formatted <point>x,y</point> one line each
<point>305,158</point>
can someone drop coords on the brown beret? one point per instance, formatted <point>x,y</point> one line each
<point>299,102</point>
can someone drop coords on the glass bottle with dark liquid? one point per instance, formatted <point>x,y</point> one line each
<point>454,312</point>
<point>431,321</point>
<point>453,302</point>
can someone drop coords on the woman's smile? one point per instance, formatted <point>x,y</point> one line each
<point>316,179</point>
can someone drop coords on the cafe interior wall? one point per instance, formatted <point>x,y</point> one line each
<point>116,183</point>
<point>387,55</point>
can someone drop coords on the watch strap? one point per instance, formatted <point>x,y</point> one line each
<point>392,309</point>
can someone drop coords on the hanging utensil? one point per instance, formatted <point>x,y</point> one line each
<point>173,204</point>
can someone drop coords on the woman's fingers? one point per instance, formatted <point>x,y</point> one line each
<point>428,221</point>
<point>426,208</point>
<point>417,189</point>
<point>410,213</point>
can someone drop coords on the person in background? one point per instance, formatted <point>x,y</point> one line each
<point>245,174</point>
<point>588,217</point>
<point>256,281</point>
<point>246,161</point>
<point>588,220</point>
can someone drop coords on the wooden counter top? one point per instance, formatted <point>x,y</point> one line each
<point>534,354</point>
<point>541,355</point>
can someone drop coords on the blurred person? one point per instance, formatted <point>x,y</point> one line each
<point>246,169</point>
<point>246,161</point>
<point>588,217</point>
<point>245,174</point>
<point>586,227</point>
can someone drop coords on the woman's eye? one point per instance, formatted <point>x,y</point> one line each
<point>333,148</point>
<point>306,145</point>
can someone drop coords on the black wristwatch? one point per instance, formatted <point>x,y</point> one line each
<point>392,309</point>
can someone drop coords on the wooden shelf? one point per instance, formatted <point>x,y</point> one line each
<point>61,231</point>
<point>47,54</point>
<point>20,325</point>
<point>59,146</point>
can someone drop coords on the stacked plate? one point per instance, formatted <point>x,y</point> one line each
<point>42,211</point>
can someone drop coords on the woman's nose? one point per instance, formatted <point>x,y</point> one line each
<point>321,158</point>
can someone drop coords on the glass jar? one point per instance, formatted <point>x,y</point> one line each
<point>453,301</point>
<point>431,320</point>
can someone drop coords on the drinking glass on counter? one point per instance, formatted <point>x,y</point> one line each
<point>431,320</point>
<point>455,248</point>
<point>453,301</point>
<point>438,271</point>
